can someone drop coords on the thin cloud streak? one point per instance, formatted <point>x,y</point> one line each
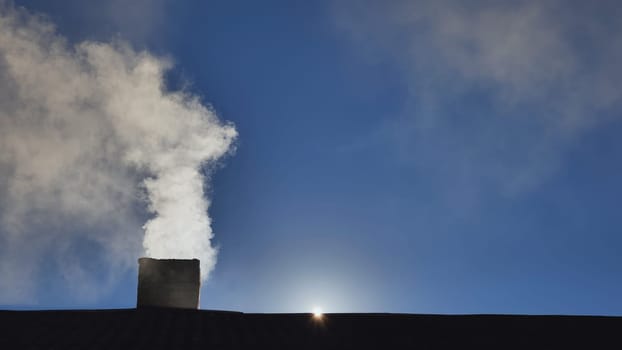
<point>498,91</point>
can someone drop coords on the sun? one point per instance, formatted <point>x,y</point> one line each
<point>317,312</point>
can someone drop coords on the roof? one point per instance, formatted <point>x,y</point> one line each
<point>160,328</point>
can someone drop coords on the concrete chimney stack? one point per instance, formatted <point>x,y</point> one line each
<point>168,283</point>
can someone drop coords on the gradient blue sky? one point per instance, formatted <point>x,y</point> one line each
<point>420,157</point>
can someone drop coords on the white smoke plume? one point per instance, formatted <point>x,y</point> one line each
<point>89,135</point>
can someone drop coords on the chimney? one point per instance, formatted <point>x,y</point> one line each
<point>168,283</point>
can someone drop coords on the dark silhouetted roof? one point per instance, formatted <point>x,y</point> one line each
<point>200,329</point>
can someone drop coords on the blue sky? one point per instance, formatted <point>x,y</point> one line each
<point>420,157</point>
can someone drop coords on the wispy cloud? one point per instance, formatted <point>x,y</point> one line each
<point>499,90</point>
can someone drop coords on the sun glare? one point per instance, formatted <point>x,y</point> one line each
<point>317,312</point>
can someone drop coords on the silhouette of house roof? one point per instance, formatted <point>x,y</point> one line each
<point>161,328</point>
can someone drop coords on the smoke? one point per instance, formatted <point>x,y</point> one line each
<point>499,91</point>
<point>90,139</point>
